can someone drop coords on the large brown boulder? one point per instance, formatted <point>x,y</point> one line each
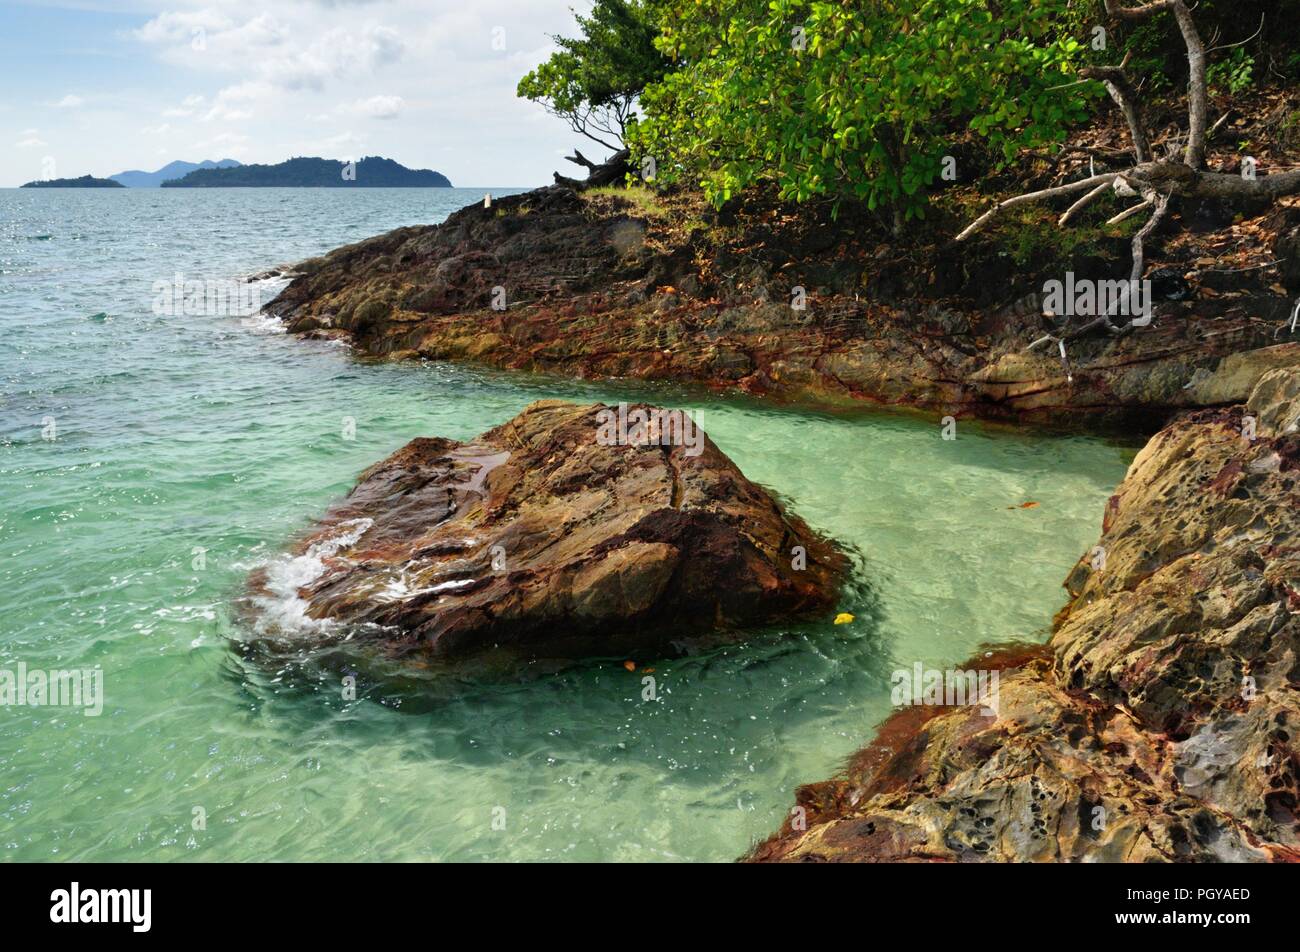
<point>555,535</point>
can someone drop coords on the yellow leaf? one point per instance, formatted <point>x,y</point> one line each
<point>843,618</point>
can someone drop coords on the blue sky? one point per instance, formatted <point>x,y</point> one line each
<point>100,86</point>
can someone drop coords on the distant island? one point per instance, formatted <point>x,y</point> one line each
<point>86,181</point>
<point>135,178</point>
<point>370,172</point>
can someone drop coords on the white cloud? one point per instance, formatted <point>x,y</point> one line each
<point>338,54</point>
<point>224,145</point>
<point>186,108</point>
<point>289,57</point>
<point>235,103</point>
<point>169,27</point>
<point>344,141</point>
<point>376,107</point>
<point>31,142</point>
<point>227,114</point>
<point>69,102</point>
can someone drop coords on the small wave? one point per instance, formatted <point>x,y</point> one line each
<point>281,275</point>
<point>263,323</point>
<point>282,609</point>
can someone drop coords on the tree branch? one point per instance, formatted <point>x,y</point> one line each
<point>1128,212</point>
<point>607,173</point>
<point>1194,156</point>
<point>1046,193</point>
<point>1081,204</point>
<point>579,159</point>
<point>1124,95</point>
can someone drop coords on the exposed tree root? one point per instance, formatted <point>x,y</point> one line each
<point>1082,203</point>
<point>1156,181</point>
<point>1056,192</point>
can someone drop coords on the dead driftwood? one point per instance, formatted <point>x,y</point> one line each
<point>610,172</point>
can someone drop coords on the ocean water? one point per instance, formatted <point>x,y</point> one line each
<point>149,460</point>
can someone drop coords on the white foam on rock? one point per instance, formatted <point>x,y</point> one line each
<point>263,323</point>
<point>283,610</point>
<point>399,589</point>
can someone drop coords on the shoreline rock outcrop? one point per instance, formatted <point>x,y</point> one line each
<point>569,531</point>
<point>1160,722</point>
<point>591,285</point>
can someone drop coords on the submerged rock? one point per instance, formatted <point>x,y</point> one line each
<point>555,535</point>
<point>1161,722</point>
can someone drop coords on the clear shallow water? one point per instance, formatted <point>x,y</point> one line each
<point>178,432</point>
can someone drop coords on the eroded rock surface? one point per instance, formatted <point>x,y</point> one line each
<point>544,538</point>
<point>596,287</point>
<point>1159,724</point>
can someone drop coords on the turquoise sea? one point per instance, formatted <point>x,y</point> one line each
<point>150,460</point>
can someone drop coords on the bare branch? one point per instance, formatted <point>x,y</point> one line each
<point>1138,13</point>
<point>1122,92</point>
<point>1161,202</point>
<point>1081,204</point>
<point>1228,46</point>
<point>1215,128</point>
<point>1043,195</point>
<point>579,159</point>
<point>1128,213</point>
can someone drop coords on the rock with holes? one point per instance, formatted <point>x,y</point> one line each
<point>1275,402</point>
<point>1162,721</point>
<point>568,531</point>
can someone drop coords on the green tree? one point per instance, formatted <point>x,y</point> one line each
<point>854,98</point>
<point>593,81</point>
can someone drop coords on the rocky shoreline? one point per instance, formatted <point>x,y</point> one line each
<point>594,288</point>
<point>1158,724</point>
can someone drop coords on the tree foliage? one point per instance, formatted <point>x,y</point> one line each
<point>855,98</point>
<point>593,80</point>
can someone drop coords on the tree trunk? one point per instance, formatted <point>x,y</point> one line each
<point>610,172</point>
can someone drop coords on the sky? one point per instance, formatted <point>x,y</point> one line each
<point>102,86</point>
